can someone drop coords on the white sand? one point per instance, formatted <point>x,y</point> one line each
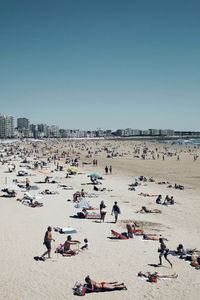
<point>23,228</point>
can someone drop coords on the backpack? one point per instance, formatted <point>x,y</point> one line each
<point>79,289</point>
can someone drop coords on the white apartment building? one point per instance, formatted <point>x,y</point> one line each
<point>6,126</point>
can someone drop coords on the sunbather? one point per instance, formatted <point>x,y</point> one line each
<point>151,236</point>
<point>9,194</point>
<point>150,276</point>
<point>93,285</point>
<point>48,192</point>
<point>36,204</point>
<point>146,210</point>
<point>147,195</point>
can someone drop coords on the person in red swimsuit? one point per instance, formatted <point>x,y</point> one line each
<point>93,285</point>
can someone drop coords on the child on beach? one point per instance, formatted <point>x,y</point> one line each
<point>86,245</point>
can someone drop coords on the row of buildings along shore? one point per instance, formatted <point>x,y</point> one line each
<point>24,129</point>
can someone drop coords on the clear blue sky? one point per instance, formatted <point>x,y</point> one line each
<point>101,63</point>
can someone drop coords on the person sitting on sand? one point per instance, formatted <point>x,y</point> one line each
<point>83,193</point>
<point>76,196</point>
<point>146,210</point>
<point>86,245</point>
<point>93,285</point>
<point>180,250</point>
<point>194,262</point>
<point>130,230</point>
<point>158,200</point>
<point>68,244</point>
<point>151,179</point>
<point>166,201</point>
<point>171,201</point>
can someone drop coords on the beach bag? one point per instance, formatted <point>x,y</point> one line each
<point>79,289</point>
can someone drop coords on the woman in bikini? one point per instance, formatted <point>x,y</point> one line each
<point>93,285</point>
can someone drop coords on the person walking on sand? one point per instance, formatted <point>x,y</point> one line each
<point>116,211</point>
<point>106,170</point>
<point>102,210</point>
<point>110,170</point>
<point>27,184</point>
<point>47,242</point>
<point>163,252</point>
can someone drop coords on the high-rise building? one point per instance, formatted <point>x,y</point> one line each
<point>22,124</point>
<point>54,131</point>
<point>6,126</point>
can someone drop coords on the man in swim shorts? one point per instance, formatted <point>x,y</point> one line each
<point>47,242</point>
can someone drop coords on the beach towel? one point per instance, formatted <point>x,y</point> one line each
<point>66,230</point>
<point>93,215</point>
<point>119,235</point>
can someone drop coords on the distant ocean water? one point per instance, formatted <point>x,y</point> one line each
<point>190,142</point>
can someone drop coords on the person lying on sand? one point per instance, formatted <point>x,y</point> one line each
<point>36,204</point>
<point>149,276</point>
<point>98,189</point>
<point>48,192</point>
<point>152,237</point>
<point>146,210</point>
<point>93,285</point>
<point>147,195</point>
<point>9,194</point>
<point>178,186</point>
<point>30,203</point>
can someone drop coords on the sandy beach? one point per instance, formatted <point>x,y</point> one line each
<point>23,227</point>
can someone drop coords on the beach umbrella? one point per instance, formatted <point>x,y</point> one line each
<point>94,175</point>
